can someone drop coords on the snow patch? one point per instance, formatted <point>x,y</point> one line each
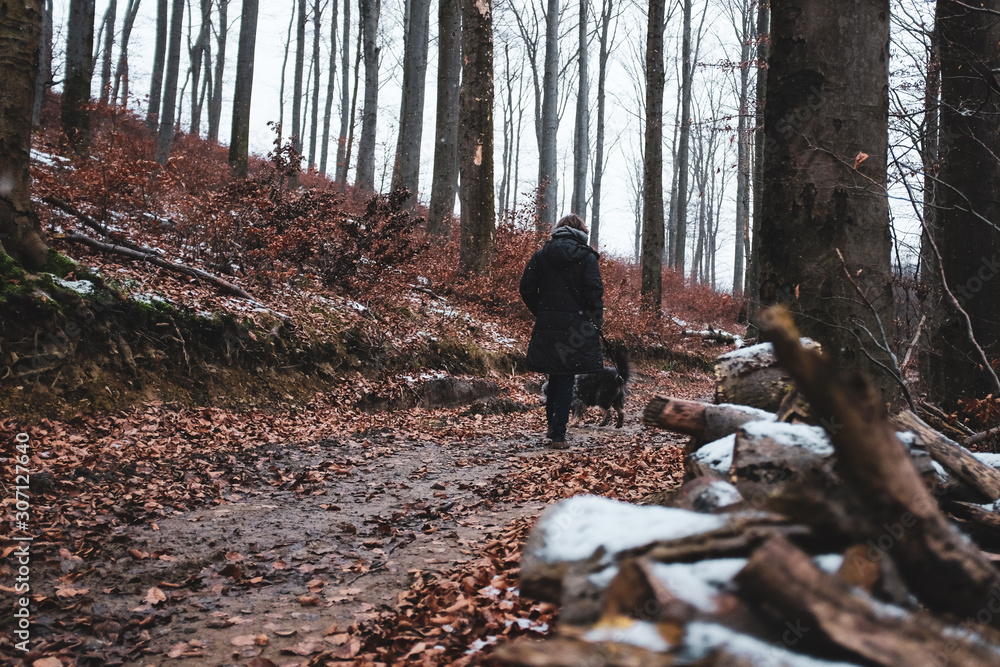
<point>810,438</point>
<point>637,633</point>
<point>717,455</point>
<point>699,583</point>
<point>83,287</point>
<point>702,638</point>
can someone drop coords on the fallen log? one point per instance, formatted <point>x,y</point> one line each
<point>952,456</point>
<point>787,584</point>
<point>939,564</point>
<point>703,421</point>
<point>153,257</point>
<point>979,437</point>
<point>750,376</point>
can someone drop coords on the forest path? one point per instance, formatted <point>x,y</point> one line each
<point>314,564</point>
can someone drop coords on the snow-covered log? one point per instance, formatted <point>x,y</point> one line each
<point>751,376</point>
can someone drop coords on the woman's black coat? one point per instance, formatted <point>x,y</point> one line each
<point>562,288</point>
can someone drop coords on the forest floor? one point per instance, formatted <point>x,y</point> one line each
<point>312,535</point>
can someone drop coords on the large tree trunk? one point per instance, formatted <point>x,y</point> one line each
<point>548,182</point>
<point>602,75</point>
<point>445,179</point>
<point>331,83</point>
<point>411,114</point>
<point>215,102</point>
<point>79,68</point>
<point>43,79</point>
<point>110,17</point>
<point>119,93</point>
<point>581,138</point>
<point>346,110</point>
<point>687,75</point>
<point>967,203</point>
<point>165,134</point>
<point>824,179</point>
<point>20,31</point>
<point>159,60</point>
<point>365,178</point>
<point>652,178</point>
<point>239,143</point>
<point>476,152</point>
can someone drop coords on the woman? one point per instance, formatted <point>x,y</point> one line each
<point>562,288</point>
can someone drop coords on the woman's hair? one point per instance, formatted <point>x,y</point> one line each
<point>574,221</point>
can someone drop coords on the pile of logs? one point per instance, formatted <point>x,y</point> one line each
<point>814,529</point>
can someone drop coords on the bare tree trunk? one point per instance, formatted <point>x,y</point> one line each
<point>743,150</point>
<point>159,60</point>
<point>476,152</point>
<point>331,83</point>
<point>110,17</point>
<point>445,179</point>
<point>548,182</point>
<point>314,118</point>
<point>215,101</point>
<point>199,53</point>
<point>581,143</point>
<point>687,74</point>
<point>365,177</point>
<point>119,93</point>
<point>652,179</point>
<point>165,134</point>
<point>354,104</point>
<point>284,68</point>
<point>239,144</point>
<point>829,75</point>
<point>411,115</point>
<point>752,282</point>
<point>607,7</point>
<point>79,68</point>
<point>20,33</point>
<point>346,110</point>
<point>43,79</point>
<point>300,54</point>
<point>507,107</point>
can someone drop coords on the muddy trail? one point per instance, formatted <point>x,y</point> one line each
<point>391,540</point>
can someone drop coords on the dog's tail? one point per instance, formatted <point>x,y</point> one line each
<point>620,357</point>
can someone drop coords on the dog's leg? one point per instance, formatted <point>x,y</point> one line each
<point>621,416</point>
<point>607,416</point>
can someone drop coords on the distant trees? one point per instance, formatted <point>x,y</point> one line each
<point>239,143</point>
<point>20,31</point>
<point>476,137</point>
<point>824,194</point>
<point>406,170</point>
<point>79,69</point>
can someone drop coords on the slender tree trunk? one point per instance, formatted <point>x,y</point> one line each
<point>687,74</point>
<point>314,118</point>
<point>331,83</point>
<point>20,33</point>
<point>406,173</point>
<point>110,17</point>
<point>928,269</point>
<point>507,107</point>
<point>159,60</point>
<point>445,179</point>
<point>239,144</point>
<point>602,75</point>
<point>548,182</point>
<point>79,68</point>
<point>581,143</point>
<point>743,151</point>
<point>652,177</point>
<point>346,110</point>
<point>476,152</point>
<point>284,68</point>
<point>215,101</point>
<point>297,85</point>
<point>752,282</point>
<point>119,92</point>
<point>165,134</point>
<point>198,54</point>
<point>43,79</point>
<point>829,76</point>
<point>365,178</point>
<point>968,208</point>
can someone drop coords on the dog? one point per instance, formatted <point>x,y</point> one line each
<point>606,388</point>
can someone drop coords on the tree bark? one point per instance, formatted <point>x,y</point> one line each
<point>752,282</point>
<point>476,143</point>
<point>199,55</point>
<point>165,134</point>
<point>314,118</point>
<point>159,60</point>
<point>346,110</point>
<point>215,102</point>
<point>297,83</point>
<point>79,68</point>
<point>602,75</point>
<point>365,178</point>
<point>652,166</point>
<point>548,182</point>
<point>679,239</point>
<point>743,151</point>
<point>581,138</point>
<point>967,204</point>
<point>119,93</point>
<point>43,79</point>
<point>20,33</point>
<point>239,144</point>
<point>824,179</point>
<point>445,180</point>
<point>110,17</point>
<point>406,173</point>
